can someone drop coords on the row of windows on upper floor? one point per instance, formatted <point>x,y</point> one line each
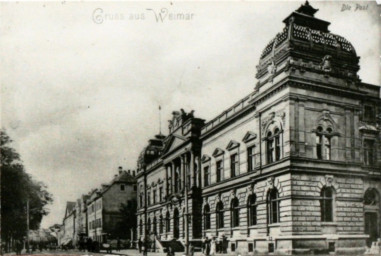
<point>95,224</point>
<point>274,146</point>
<point>274,152</point>
<point>95,206</point>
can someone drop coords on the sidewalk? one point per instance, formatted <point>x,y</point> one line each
<point>134,252</point>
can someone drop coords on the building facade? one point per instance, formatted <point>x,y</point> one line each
<point>292,167</point>
<point>104,207</point>
<point>69,233</point>
<point>166,174</point>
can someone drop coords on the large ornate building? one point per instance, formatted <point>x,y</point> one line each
<point>292,167</point>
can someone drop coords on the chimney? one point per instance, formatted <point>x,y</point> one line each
<point>129,171</point>
<point>120,170</point>
<point>133,173</point>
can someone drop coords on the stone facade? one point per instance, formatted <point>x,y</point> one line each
<point>292,167</point>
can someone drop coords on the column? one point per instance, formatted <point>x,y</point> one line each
<point>173,176</point>
<point>166,181</point>
<point>192,170</point>
<point>182,173</point>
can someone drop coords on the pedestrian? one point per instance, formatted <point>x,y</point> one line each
<point>140,245</point>
<point>213,247</point>
<point>207,246</point>
<point>224,244</point>
<point>18,247</point>
<point>89,244</point>
<point>203,245</point>
<point>118,244</point>
<point>170,251</point>
<point>191,250</point>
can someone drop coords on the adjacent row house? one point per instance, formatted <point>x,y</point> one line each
<point>292,167</point>
<point>97,215</point>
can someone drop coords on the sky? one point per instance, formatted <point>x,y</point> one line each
<point>81,82</point>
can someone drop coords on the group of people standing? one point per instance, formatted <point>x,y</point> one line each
<point>214,245</point>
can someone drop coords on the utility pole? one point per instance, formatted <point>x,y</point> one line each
<point>27,225</point>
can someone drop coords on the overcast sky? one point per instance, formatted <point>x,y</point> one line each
<point>81,86</point>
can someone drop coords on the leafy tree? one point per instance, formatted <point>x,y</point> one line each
<point>17,187</point>
<point>128,221</point>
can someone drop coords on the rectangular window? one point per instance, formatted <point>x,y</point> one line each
<point>206,176</point>
<point>270,151</point>
<point>122,188</point>
<point>135,188</point>
<point>369,152</point>
<point>233,165</point>
<point>250,159</point>
<point>149,198</point>
<point>327,146</point>
<point>154,197</point>
<point>219,170</point>
<point>160,194</point>
<point>368,113</point>
<point>319,151</point>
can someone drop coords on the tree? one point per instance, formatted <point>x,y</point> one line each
<point>18,187</point>
<point>128,221</point>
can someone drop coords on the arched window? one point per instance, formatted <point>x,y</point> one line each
<point>234,209</point>
<point>167,222</point>
<point>270,148</point>
<point>154,225</point>
<point>326,204</point>
<point>220,214</point>
<point>277,140</point>
<point>252,210</point>
<point>370,197</point>
<point>176,222</point>
<point>273,206</point>
<point>161,224</point>
<point>206,217</point>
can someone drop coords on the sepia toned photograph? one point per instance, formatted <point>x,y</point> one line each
<point>190,128</point>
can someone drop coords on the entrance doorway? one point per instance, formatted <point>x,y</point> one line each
<point>371,227</point>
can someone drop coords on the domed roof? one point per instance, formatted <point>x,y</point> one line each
<point>310,36</point>
<point>152,150</point>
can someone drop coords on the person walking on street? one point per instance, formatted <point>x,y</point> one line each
<point>170,251</point>
<point>213,247</point>
<point>191,250</point>
<point>140,245</point>
<point>118,245</point>
<point>207,246</point>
